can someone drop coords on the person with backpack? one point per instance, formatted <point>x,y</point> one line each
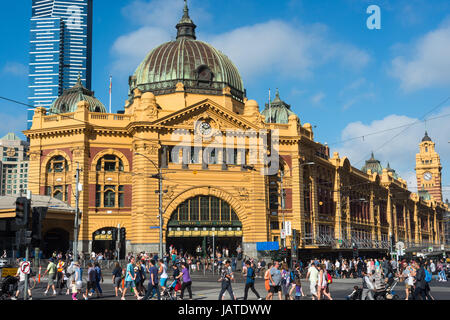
<point>420,282</point>
<point>250,275</point>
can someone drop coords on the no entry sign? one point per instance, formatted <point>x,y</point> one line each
<point>25,267</point>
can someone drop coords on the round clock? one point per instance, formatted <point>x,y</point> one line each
<point>205,128</point>
<point>427,176</point>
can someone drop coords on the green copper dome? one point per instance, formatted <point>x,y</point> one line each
<point>199,66</point>
<point>278,111</point>
<point>68,101</point>
<point>374,165</point>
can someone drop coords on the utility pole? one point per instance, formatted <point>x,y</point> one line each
<point>27,249</point>
<point>282,205</point>
<point>77,225</point>
<point>161,254</point>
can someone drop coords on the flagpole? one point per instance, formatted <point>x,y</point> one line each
<point>270,109</point>
<point>110,92</point>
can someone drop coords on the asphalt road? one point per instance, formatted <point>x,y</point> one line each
<point>206,287</point>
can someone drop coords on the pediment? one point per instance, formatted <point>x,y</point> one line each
<point>221,118</point>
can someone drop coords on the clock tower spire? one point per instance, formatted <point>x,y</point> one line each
<point>428,169</point>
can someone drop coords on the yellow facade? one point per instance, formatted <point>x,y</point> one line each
<point>333,216</point>
<point>330,203</point>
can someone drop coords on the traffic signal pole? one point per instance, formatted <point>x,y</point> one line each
<point>76,226</point>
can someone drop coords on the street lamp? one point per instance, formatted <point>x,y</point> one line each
<point>159,177</point>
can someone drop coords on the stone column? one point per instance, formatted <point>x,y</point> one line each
<point>298,209</point>
<point>338,209</point>
<point>315,208</point>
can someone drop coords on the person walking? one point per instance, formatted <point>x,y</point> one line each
<point>117,278</point>
<point>294,275</point>
<point>152,282</point>
<point>77,283</point>
<point>420,283</point>
<point>313,277</point>
<point>267,279</point>
<point>226,276</point>
<point>130,278</point>
<point>275,281</point>
<point>60,284</point>
<point>163,274</point>
<point>322,283</point>
<point>285,281</point>
<point>98,279</point>
<point>51,270</point>
<point>91,287</point>
<point>21,286</point>
<point>177,282</point>
<point>250,280</point>
<point>367,287</point>
<point>187,281</point>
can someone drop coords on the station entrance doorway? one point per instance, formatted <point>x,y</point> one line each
<point>201,221</point>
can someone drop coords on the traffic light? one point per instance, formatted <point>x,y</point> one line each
<point>284,252</point>
<point>355,250</point>
<point>114,234</point>
<point>36,225</point>
<point>22,211</point>
<point>122,234</point>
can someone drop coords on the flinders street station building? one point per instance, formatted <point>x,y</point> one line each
<point>223,166</point>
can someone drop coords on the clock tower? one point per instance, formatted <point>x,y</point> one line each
<point>428,169</point>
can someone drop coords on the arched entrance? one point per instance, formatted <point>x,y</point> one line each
<point>105,240</point>
<point>202,220</point>
<point>56,240</point>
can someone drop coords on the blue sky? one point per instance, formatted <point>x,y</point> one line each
<point>338,75</point>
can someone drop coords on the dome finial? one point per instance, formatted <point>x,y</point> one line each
<point>186,27</point>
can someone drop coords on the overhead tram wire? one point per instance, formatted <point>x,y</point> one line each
<point>387,130</point>
<point>398,134</point>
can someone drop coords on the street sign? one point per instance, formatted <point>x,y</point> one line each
<point>399,246</point>
<point>287,228</point>
<point>25,267</point>
<point>283,234</point>
<point>154,227</point>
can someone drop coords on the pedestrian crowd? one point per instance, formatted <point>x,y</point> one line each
<point>169,277</point>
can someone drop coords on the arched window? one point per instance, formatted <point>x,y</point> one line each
<point>110,163</point>
<point>57,164</point>
<point>204,209</point>
<point>110,197</point>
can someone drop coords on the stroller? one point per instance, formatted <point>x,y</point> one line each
<point>388,293</point>
<point>169,292</point>
<point>8,288</point>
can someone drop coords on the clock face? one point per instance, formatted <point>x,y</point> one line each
<point>205,128</point>
<point>427,176</point>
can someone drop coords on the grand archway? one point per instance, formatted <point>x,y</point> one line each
<point>206,221</point>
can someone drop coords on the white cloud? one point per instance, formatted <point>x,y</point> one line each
<point>400,151</point>
<point>14,68</point>
<point>132,48</point>
<point>316,99</point>
<point>427,64</point>
<point>272,47</point>
<point>281,47</point>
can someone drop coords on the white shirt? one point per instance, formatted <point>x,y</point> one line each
<point>433,267</point>
<point>337,265</point>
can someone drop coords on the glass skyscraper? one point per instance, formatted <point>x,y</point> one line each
<point>60,49</point>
